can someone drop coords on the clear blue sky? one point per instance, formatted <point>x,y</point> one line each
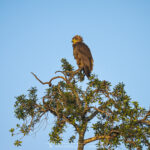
<point>36,34</point>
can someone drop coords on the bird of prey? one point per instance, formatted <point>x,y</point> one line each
<point>83,55</point>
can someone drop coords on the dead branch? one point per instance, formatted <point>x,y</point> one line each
<point>49,83</point>
<point>39,79</point>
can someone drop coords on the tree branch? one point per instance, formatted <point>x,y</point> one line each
<point>97,138</point>
<point>49,83</point>
<point>74,124</point>
<point>144,120</point>
<point>101,137</point>
<point>97,110</point>
<point>101,111</point>
<point>92,115</point>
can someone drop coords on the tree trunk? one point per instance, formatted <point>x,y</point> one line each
<point>80,146</point>
<point>81,142</point>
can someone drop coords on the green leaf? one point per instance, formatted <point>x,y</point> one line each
<point>17,143</point>
<point>12,130</point>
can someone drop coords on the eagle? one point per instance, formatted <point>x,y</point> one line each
<point>83,55</point>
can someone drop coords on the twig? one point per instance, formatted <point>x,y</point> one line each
<point>39,79</point>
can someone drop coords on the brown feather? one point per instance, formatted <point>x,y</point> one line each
<point>83,56</point>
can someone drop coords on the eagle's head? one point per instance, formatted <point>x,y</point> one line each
<point>76,39</point>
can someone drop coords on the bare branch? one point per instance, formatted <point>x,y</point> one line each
<point>39,79</point>
<point>57,78</point>
<point>49,83</point>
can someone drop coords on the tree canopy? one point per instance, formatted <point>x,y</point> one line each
<point>114,118</point>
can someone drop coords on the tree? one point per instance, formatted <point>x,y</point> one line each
<point>118,120</point>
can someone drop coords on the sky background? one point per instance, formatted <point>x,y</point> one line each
<point>36,34</point>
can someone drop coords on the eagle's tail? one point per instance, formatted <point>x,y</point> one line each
<point>87,71</point>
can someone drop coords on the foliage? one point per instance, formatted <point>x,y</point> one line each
<point>119,120</point>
